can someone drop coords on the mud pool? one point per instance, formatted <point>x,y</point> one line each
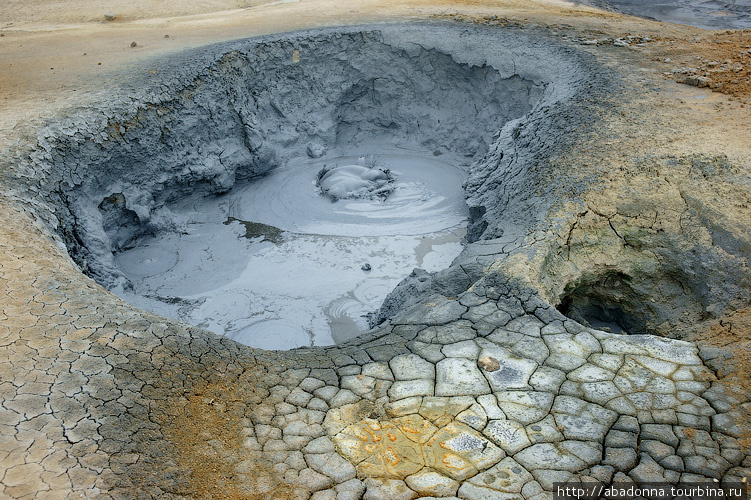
<point>207,205</point>
<point>276,265</point>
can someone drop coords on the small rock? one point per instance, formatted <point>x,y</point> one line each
<point>697,81</point>
<point>315,150</point>
<point>166,36</point>
<point>133,44</point>
<point>489,363</point>
<point>109,16</point>
<point>366,267</point>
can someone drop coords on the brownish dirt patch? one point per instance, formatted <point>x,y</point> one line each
<point>733,333</point>
<point>206,427</point>
<point>720,61</point>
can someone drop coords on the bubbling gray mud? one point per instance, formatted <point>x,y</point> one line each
<point>257,111</point>
<point>355,181</point>
<point>294,275</point>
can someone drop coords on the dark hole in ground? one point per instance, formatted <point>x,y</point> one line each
<point>606,302</point>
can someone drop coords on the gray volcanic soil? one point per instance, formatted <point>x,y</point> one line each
<point>711,14</point>
<point>257,105</point>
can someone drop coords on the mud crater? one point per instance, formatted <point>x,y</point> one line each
<point>193,193</point>
<point>163,205</point>
<point>197,197</point>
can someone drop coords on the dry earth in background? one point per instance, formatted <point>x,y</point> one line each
<point>51,55</point>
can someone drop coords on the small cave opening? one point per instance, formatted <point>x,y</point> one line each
<point>606,302</point>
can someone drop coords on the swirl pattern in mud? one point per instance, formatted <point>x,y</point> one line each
<point>305,271</point>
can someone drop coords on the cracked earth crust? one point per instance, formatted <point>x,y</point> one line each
<point>124,404</point>
<point>102,400</point>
